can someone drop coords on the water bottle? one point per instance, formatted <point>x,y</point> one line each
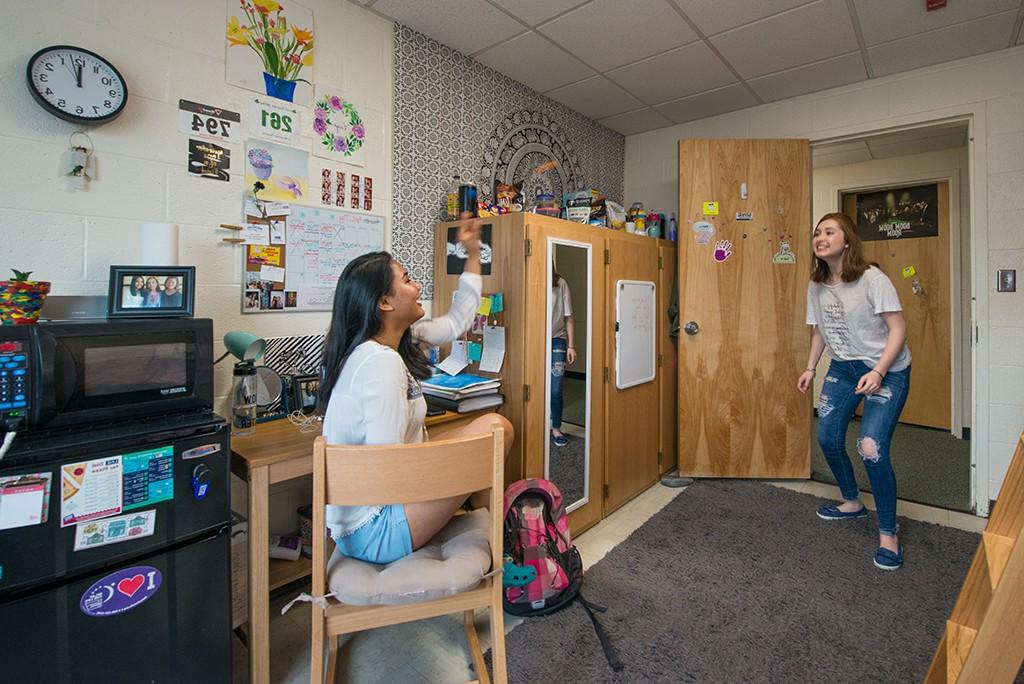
<point>467,198</point>
<point>672,229</point>
<point>243,420</point>
<point>453,198</point>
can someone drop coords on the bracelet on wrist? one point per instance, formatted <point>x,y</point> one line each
<point>812,371</point>
<point>876,372</point>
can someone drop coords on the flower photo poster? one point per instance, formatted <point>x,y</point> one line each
<point>338,128</point>
<point>283,171</point>
<point>269,46</point>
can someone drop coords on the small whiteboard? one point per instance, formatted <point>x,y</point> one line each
<point>634,332</point>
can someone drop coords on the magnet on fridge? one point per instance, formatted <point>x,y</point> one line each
<point>202,476</point>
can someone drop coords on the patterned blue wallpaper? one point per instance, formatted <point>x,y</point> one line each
<point>455,115</point>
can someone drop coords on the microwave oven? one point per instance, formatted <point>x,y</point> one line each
<point>88,373</point>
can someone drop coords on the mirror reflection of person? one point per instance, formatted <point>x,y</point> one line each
<point>563,350</point>
<point>172,292</point>
<point>152,296</point>
<point>135,296</point>
<point>371,394</point>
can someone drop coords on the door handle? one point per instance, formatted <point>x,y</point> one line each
<point>691,328</point>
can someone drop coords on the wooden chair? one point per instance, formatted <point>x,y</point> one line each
<point>408,473</point>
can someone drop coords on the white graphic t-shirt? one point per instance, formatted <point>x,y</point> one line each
<point>848,316</point>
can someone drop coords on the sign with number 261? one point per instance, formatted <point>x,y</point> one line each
<point>273,121</point>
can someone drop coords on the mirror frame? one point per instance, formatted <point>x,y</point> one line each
<point>552,242</point>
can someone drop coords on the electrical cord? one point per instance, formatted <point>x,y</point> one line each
<point>305,423</point>
<point>8,441</point>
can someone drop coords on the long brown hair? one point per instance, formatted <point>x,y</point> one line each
<point>853,258</point>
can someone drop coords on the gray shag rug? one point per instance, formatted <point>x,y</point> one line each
<point>737,581</point>
<point>567,466</point>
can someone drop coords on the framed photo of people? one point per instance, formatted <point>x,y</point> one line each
<point>898,213</point>
<point>151,291</point>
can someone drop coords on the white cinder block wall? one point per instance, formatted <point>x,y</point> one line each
<point>990,90</point>
<point>166,52</point>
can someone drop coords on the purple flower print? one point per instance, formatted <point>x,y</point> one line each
<point>319,126</point>
<point>320,114</point>
<point>340,145</point>
<point>335,103</point>
<point>358,131</point>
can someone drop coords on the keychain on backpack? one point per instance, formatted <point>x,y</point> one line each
<point>516,575</point>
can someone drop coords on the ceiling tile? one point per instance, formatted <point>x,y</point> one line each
<point>639,121</point>
<point>677,73</point>
<point>943,45</point>
<point>466,25</point>
<point>609,33</point>
<point>595,97</point>
<point>830,73</point>
<point>786,40</point>
<point>535,12</point>
<point>722,15</point>
<point>885,20</point>
<point>533,60</point>
<point>709,103</point>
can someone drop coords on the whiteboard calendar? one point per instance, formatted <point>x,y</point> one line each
<point>634,332</point>
<point>295,254</point>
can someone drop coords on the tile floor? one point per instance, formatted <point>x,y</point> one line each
<point>435,650</point>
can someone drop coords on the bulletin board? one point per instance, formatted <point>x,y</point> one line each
<point>634,332</point>
<point>307,249</point>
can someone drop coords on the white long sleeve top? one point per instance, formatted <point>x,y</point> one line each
<point>377,401</point>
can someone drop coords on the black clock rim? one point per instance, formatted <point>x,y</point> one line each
<point>60,113</point>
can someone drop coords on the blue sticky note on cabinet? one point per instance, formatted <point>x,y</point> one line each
<point>475,351</point>
<point>497,303</point>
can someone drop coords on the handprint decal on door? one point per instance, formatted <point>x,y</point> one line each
<point>723,250</point>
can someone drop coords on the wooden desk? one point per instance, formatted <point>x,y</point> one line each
<point>279,451</point>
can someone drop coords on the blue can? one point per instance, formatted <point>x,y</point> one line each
<point>467,199</point>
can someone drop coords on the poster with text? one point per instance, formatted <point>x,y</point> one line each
<point>898,213</point>
<point>270,48</point>
<point>338,129</point>
<point>283,171</point>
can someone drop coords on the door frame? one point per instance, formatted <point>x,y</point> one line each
<point>975,116</point>
<point>956,318</point>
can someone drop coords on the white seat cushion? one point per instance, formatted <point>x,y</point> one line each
<point>455,560</point>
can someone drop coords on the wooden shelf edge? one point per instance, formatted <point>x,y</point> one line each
<point>284,572</point>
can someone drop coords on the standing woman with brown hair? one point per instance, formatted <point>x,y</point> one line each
<point>856,313</point>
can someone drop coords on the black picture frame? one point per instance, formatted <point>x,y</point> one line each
<point>125,300</point>
<point>305,390</point>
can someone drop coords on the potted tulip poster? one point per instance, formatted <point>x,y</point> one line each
<point>278,35</point>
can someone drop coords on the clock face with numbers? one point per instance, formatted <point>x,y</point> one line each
<point>76,85</point>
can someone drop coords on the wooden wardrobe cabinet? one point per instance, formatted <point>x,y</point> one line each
<point>632,431</point>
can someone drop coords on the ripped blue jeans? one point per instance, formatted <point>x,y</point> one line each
<point>836,407</point>
<point>559,349</point>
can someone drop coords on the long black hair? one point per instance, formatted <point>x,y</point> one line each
<point>356,318</point>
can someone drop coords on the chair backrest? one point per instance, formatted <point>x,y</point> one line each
<point>406,473</point>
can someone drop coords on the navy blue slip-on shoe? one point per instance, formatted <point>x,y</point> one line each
<point>832,512</point>
<point>888,560</point>
<point>560,440</point>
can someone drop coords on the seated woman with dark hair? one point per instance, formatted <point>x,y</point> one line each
<point>172,292</point>
<point>372,393</point>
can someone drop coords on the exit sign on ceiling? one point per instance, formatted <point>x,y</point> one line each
<point>931,5</point>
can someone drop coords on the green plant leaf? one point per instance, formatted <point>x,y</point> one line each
<point>20,276</point>
<point>273,62</point>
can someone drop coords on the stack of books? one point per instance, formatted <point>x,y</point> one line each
<point>462,393</point>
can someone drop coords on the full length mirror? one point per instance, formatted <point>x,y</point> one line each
<point>567,450</point>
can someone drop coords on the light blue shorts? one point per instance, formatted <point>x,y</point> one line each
<point>383,539</point>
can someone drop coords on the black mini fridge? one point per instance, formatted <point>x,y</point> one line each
<point>129,588</point>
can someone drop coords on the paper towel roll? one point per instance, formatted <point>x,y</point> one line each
<point>158,244</point>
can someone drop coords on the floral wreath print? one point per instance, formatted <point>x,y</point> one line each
<point>330,129</point>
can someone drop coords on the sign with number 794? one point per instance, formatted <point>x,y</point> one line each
<point>209,123</point>
<point>273,121</point>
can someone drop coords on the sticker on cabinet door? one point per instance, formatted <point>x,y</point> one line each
<point>723,250</point>
<point>704,230</point>
<point>120,528</point>
<point>784,255</point>
<point>710,208</point>
<point>121,591</point>
<point>744,216</point>
<point>909,271</point>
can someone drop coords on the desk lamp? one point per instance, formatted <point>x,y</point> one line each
<point>243,346</point>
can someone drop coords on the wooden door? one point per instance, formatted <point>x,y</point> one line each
<point>667,361</point>
<point>632,427</point>
<point>927,313</point>
<point>740,414</point>
<point>538,230</point>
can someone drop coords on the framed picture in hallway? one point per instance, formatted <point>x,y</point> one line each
<point>898,213</point>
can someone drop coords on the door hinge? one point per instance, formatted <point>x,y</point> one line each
<point>661,262</point>
<point>529,247</point>
<point>607,256</point>
<point>606,373</point>
<point>661,457</point>
<point>606,494</point>
<point>661,360</point>
<point>526,393</point>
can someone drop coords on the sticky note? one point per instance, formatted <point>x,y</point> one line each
<point>909,271</point>
<point>497,303</point>
<point>475,351</point>
<point>711,208</point>
<point>485,306</point>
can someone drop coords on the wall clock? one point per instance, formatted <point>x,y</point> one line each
<point>76,85</point>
